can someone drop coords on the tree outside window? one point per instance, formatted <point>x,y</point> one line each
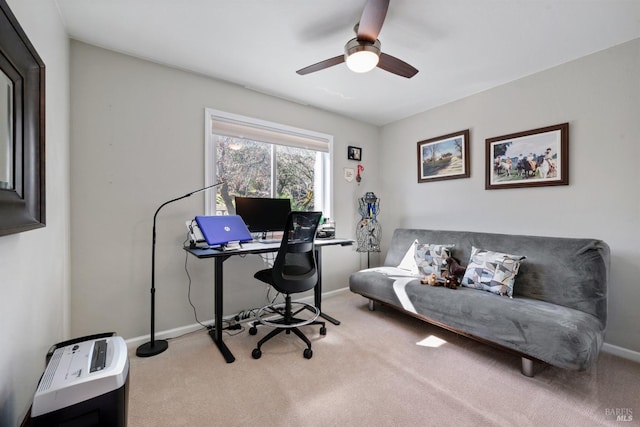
<point>257,169</point>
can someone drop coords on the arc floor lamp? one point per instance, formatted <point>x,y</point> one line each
<point>154,346</point>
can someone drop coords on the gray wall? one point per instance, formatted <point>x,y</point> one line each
<point>34,265</point>
<point>137,141</point>
<point>599,95</point>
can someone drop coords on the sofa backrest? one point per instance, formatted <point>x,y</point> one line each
<point>566,271</point>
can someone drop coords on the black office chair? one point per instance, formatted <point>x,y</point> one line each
<point>294,270</point>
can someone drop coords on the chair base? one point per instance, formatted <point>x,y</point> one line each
<point>287,323</point>
<point>281,310</point>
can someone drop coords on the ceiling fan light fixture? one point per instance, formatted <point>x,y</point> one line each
<point>362,56</point>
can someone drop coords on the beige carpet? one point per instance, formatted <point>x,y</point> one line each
<point>369,371</point>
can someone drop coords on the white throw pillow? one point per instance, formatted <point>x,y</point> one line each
<point>409,261</point>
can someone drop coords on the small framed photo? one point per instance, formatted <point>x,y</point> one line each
<point>444,157</point>
<point>534,158</point>
<point>354,153</point>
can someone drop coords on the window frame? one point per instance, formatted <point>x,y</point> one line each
<point>293,136</point>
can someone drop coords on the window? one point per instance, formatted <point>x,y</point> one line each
<point>256,158</point>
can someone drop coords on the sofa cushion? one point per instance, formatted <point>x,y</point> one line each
<point>492,271</point>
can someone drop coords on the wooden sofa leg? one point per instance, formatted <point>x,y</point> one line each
<point>372,305</point>
<point>527,367</point>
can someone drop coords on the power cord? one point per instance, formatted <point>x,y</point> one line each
<point>246,314</point>
<point>226,324</point>
<point>186,270</point>
<point>268,259</point>
<point>272,300</point>
<point>234,324</point>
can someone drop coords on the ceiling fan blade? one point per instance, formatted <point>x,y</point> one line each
<point>396,66</point>
<point>372,19</point>
<point>321,65</point>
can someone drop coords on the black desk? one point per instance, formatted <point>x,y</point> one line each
<point>221,256</point>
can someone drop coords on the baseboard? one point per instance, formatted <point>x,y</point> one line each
<point>176,332</point>
<point>625,353</point>
<point>325,295</point>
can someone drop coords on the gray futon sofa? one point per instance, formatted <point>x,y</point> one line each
<point>558,311</point>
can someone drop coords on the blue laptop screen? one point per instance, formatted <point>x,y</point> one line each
<point>222,229</point>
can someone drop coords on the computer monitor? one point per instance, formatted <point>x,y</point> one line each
<point>263,215</point>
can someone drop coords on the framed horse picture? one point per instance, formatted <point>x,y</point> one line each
<point>534,158</point>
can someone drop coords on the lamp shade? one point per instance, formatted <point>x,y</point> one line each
<point>362,56</point>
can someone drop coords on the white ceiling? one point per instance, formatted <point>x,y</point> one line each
<point>461,47</point>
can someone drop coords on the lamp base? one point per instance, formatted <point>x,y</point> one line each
<point>151,349</point>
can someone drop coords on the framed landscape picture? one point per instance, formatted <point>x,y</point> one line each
<point>534,158</point>
<point>444,157</point>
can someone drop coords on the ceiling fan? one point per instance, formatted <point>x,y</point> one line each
<point>363,53</point>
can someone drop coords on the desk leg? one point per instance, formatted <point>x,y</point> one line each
<point>216,333</point>
<point>317,292</point>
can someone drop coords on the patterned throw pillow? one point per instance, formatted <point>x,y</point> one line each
<point>429,258</point>
<point>492,271</point>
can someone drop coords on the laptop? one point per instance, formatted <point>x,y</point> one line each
<point>222,229</point>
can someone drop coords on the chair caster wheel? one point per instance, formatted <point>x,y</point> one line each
<point>323,331</point>
<point>307,353</point>
<point>253,330</point>
<point>256,353</point>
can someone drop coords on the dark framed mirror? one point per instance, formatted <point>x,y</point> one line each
<point>22,155</point>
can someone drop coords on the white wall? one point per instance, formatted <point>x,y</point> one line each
<point>137,140</point>
<point>599,95</point>
<point>34,265</point>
